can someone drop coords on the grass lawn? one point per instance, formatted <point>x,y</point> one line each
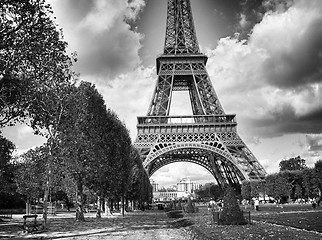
<point>298,216</point>
<point>290,222</point>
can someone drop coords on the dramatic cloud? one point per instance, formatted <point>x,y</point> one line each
<point>315,143</point>
<point>273,80</point>
<point>99,32</point>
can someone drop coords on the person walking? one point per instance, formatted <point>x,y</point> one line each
<point>256,204</point>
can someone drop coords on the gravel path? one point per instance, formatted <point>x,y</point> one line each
<point>152,225</point>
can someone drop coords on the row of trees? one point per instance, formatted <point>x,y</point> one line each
<point>87,145</point>
<point>287,184</point>
<point>93,151</point>
<point>294,180</point>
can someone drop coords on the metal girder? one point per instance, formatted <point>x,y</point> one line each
<point>180,31</point>
<point>191,76</point>
<point>209,137</point>
<point>219,167</point>
<point>160,104</point>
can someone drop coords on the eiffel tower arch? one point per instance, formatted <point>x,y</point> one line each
<point>209,136</point>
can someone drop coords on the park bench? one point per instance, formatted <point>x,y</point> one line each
<point>30,223</point>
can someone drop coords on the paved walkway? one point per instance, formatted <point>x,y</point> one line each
<point>152,225</point>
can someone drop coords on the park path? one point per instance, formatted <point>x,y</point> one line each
<point>152,225</point>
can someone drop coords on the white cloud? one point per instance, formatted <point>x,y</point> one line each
<point>24,131</point>
<point>97,20</point>
<point>274,80</point>
<point>97,29</point>
<point>173,173</point>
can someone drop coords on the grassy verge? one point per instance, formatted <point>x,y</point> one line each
<point>270,223</point>
<point>311,221</point>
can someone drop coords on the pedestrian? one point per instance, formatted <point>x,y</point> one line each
<point>256,204</point>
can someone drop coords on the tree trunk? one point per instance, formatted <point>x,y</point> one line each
<point>48,183</point>
<point>132,205</point>
<point>45,208</point>
<point>28,207</point>
<point>107,208</point>
<point>98,210</point>
<point>79,202</point>
<point>123,206</point>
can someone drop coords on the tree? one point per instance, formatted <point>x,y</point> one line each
<point>95,146</point>
<point>277,186</point>
<point>257,188</point>
<point>318,175</point>
<point>7,168</point>
<point>10,100</point>
<point>246,190</point>
<point>210,190</point>
<point>310,183</point>
<point>30,54</point>
<point>292,164</point>
<point>139,188</point>
<point>34,55</point>
<point>30,176</point>
<point>231,213</point>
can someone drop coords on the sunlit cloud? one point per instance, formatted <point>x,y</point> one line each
<point>273,80</point>
<point>173,173</point>
<point>98,31</point>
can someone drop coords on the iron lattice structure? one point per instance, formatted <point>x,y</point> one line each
<point>209,137</point>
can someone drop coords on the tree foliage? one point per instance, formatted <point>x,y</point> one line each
<point>86,143</point>
<point>318,175</point>
<point>292,164</point>
<point>33,61</point>
<point>231,213</point>
<point>277,186</point>
<point>6,166</point>
<point>95,146</point>
<point>246,191</point>
<point>30,175</point>
<point>139,188</point>
<point>210,190</point>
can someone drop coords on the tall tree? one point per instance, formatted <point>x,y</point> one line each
<point>292,164</point>
<point>139,187</point>
<point>310,183</point>
<point>318,174</point>
<point>30,175</point>
<point>277,186</point>
<point>31,52</point>
<point>231,213</point>
<point>257,188</point>
<point>94,145</point>
<point>7,168</point>
<point>34,55</point>
<point>246,190</point>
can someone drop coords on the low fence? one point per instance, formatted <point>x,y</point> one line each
<point>216,217</point>
<point>39,210</point>
<point>6,213</point>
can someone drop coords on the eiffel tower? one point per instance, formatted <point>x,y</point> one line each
<point>209,137</point>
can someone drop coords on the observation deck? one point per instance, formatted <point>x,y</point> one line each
<point>186,124</point>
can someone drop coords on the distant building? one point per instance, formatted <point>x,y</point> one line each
<point>186,185</point>
<point>184,188</point>
<point>155,186</point>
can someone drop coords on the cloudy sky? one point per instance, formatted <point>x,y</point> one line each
<point>265,62</point>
